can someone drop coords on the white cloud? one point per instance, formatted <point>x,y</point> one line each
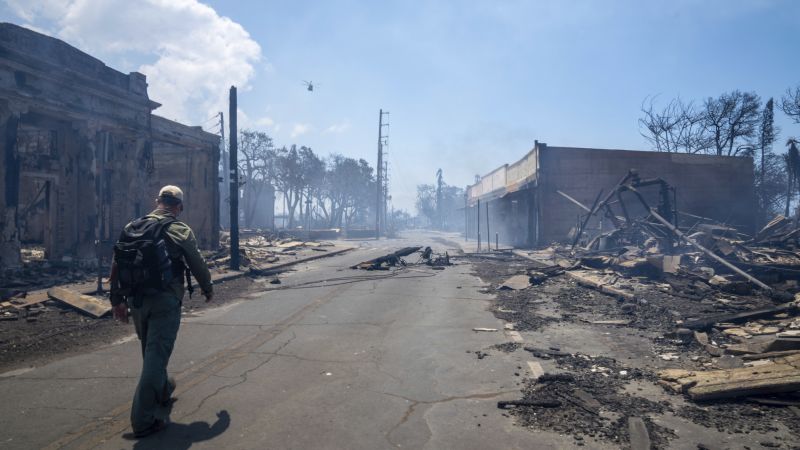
<point>338,127</point>
<point>265,122</point>
<point>300,129</point>
<point>194,55</point>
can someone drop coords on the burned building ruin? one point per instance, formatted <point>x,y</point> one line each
<point>81,153</point>
<point>536,200</point>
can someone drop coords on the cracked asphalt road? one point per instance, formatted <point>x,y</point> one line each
<point>363,360</point>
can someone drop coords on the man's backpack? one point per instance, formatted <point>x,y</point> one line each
<point>142,258</point>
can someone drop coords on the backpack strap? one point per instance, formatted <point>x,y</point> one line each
<point>162,224</point>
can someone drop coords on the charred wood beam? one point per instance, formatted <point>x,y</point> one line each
<point>611,216</point>
<point>579,204</point>
<point>624,209</point>
<point>600,205</point>
<point>586,221</point>
<point>708,322</point>
<point>390,258</point>
<point>708,252</point>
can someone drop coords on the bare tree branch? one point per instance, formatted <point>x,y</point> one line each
<point>790,104</point>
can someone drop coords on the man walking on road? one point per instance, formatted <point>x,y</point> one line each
<point>147,274</point>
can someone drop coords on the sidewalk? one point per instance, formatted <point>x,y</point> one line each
<point>217,275</point>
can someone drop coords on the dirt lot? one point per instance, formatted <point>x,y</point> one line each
<point>54,330</point>
<point>601,375</point>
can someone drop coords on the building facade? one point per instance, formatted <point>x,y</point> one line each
<point>81,153</point>
<point>527,207</point>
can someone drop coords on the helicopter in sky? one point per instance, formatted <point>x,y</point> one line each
<point>309,85</point>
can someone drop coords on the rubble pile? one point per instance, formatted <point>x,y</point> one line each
<point>387,261</point>
<point>38,274</point>
<point>588,401</point>
<point>257,248</point>
<point>427,257</point>
<point>713,315</point>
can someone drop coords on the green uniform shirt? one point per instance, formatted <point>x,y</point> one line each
<point>185,247</point>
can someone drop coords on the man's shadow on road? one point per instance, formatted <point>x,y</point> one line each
<point>179,436</point>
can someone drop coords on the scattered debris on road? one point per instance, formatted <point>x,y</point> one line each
<point>534,403</point>
<point>427,257</point>
<point>259,248</point>
<point>387,261</point>
<point>719,311</point>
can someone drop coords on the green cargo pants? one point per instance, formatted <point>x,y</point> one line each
<point>156,322</point>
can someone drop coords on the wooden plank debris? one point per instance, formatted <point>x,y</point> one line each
<point>770,355</point>
<point>603,285</point>
<point>708,252</point>
<point>291,244</point>
<point>536,369</point>
<point>516,283</point>
<point>783,375</point>
<point>708,322</point>
<point>611,322</point>
<point>587,400</point>
<point>90,305</point>
<point>505,404</point>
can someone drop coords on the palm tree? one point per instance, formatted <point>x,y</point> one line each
<point>792,160</point>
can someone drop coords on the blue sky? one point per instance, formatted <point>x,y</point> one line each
<point>470,84</point>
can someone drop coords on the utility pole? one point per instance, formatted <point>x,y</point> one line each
<point>226,181</point>
<point>308,214</point>
<point>466,215</point>
<point>478,216</point>
<point>439,216</point>
<point>488,234</point>
<point>380,200</point>
<point>386,196</point>
<point>234,182</point>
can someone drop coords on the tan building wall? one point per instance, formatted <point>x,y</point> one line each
<point>717,187</point>
<point>528,211</point>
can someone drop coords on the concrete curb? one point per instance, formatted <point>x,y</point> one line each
<point>39,296</point>
<point>271,270</point>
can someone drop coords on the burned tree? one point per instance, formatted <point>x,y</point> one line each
<point>770,174</point>
<point>792,163</point>
<point>293,172</point>
<point>346,190</point>
<point>676,128</point>
<point>426,201</point>
<point>790,104</point>
<point>731,121</point>
<point>726,125</point>
<point>439,205</point>
<point>439,183</point>
<point>257,157</point>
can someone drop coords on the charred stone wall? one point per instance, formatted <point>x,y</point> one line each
<point>79,155</point>
<point>188,157</point>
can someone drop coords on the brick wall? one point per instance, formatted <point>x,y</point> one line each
<point>717,187</point>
